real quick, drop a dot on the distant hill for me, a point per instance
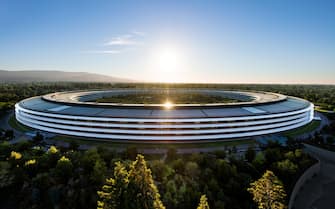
(56, 76)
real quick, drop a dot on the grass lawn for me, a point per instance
(324, 111)
(17, 125)
(150, 145)
(304, 129)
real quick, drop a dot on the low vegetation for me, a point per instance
(33, 176)
(175, 98)
(321, 95)
(304, 129)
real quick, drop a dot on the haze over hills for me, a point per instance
(56, 76)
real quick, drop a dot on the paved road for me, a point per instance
(319, 192)
(324, 120)
(4, 120)
(18, 135)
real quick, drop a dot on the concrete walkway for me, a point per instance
(319, 192)
(324, 122)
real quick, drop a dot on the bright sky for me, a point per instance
(236, 41)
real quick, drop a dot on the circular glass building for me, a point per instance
(199, 114)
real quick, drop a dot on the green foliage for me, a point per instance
(15, 155)
(250, 154)
(322, 95)
(114, 193)
(5, 150)
(89, 158)
(286, 166)
(203, 203)
(9, 134)
(99, 170)
(268, 192)
(273, 154)
(52, 150)
(130, 189)
(171, 154)
(72, 181)
(142, 188)
(131, 152)
(38, 137)
(30, 162)
(163, 96)
(161, 171)
(259, 160)
(73, 145)
(5, 178)
(192, 170)
(64, 169)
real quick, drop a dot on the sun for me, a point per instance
(168, 59)
(168, 63)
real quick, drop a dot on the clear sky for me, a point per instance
(269, 41)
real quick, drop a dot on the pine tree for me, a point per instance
(113, 192)
(203, 203)
(133, 189)
(268, 192)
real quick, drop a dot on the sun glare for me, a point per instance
(168, 63)
(168, 105)
(168, 60)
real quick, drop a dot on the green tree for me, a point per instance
(9, 134)
(131, 152)
(161, 171)
(53, 149)
(89, 158)
(113, 193)
(99, 171)
(38, 137)
(141, 187)
(64, 168)
(250, 154)
(287, 167)
(192, 170)
(203, 203)
(6, 179)
(273, 155)
(73, 145)
(259, 160)
(268, 192)
(292, 144)
(133, 189)
(171, 154)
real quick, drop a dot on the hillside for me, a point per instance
(55, 76)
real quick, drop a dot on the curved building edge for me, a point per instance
(155, 128)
